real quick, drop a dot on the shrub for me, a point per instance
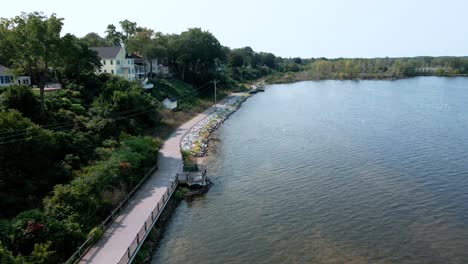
(22, 99)
(96, 233)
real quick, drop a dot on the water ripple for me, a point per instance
(335, 172)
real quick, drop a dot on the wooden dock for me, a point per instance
(193, 178)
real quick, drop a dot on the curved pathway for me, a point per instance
(118, 237)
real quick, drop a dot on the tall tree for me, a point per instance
(148, 45)
(30, 42)
(128, 29)
(195, 52)
(113, 37)
(236, 60)
(94, 40)
(76, 59)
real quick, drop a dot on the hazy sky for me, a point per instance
(306, 28)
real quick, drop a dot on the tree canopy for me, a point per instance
(31, 45)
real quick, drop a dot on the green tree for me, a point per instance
(149, 45)
(322, 69)
(268, 59)
(30, 43)
(236, 60)
(113, 37)
(128, 29)
(41, 253)
(93, 40)
(20, 98)
(194, 53)
(6, 257)
(76, 59)
(27, 155)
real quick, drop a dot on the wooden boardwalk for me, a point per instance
(121, 235)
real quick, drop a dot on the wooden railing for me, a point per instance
(132, 250)
(89, 242)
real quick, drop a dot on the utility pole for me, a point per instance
(242, 79)
(216, 106)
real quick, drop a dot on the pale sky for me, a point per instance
(305, 28)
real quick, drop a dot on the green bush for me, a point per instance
(6, 257)
(28, 163)
(22, 99)
(96, 233)
(41, 253)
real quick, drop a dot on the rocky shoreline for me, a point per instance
(196, 142)
(197, 139)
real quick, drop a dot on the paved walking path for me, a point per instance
(118, 237)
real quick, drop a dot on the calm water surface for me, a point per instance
(335, 172)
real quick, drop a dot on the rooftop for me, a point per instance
(4, 70)
(107, 52)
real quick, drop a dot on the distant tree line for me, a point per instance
(385, 68)
(194, 56)
(69, 157)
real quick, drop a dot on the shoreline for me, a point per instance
(293, 77)
(196, 140)
(151, 245)
(202, 131)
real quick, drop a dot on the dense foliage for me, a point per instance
(80, 159)
(31, 45)
(387, 67)
(69, 157)
(384, 68)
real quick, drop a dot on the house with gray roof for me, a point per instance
(115, 61)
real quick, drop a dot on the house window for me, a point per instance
(105, 71)
(1, 79)
(118, 62)
(112, 71)
(112, 62)
(104, 62)
(7, 79)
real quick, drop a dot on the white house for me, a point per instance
(170, 103)
(143, 67)
(7, 78)
(115, 61)
(158, 67)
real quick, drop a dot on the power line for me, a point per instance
(63, 129)
(58, 125)
(52, 126)
(116, 115)
(69, 123)
(65, 124)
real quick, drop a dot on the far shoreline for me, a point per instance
(151, 245)
(293, 77)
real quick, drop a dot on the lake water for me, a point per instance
(334, 172)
